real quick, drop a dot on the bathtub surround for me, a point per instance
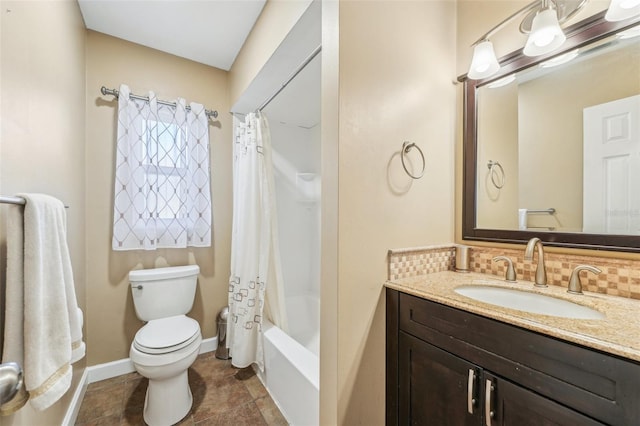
(291, 373)
(619, 277)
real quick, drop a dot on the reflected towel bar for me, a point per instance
(544, 211)
(16, 200)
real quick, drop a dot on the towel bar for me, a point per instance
(16, 200)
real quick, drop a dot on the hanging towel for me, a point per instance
(52, 326)
(14, 303)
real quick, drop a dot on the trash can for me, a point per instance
(222, 352)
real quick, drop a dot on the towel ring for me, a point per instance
(493, 167)
(406, 147)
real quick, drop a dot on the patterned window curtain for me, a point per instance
(162, 185)
(256, 284)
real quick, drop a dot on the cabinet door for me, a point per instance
(435, 388)
(512, 405)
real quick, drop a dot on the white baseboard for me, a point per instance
(108, 370)
(74, 407)
(209, 345)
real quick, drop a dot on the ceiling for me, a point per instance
(211, 32)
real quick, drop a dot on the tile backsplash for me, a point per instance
(619, 277)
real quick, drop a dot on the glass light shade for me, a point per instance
(619, 10)
(559, 60)
(546, 34)
(484, 62)
(630, 33)
(502, 82)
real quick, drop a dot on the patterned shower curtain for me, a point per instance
(255, 285)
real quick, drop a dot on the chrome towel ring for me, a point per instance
(498, 178)
(406, 147)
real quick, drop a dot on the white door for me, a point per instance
(611, 174)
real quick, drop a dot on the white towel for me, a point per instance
(14, 303)
(52, 323)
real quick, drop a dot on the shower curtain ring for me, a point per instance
(406, 147)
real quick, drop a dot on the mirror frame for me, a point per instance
(587, 31)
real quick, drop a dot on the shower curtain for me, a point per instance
(255, 284)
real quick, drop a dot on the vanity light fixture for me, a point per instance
(542, 22)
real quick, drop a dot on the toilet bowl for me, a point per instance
(163, 354)
(166, 346)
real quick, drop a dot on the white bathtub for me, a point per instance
(292, 370)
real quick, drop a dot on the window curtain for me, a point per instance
(162, 196)
(255, 285)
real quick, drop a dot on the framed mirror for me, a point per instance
(552, 143)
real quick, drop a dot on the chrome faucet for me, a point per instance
(541, 273)
(575, 285)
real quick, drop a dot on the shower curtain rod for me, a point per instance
(16, 200)
(116, 93)
(292, 76)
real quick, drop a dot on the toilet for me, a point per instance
(166, 346)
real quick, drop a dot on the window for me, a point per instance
(162, 190)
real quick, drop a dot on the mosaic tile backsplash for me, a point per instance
(619, 277)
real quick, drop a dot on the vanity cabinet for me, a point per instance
(449, 367)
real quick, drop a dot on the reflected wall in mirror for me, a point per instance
(552, 146)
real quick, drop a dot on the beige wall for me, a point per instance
(111, 320)
(376, 93)
(396, 66)
(42, 138)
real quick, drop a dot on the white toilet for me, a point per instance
(166, 346)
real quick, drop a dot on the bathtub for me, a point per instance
(291, 373)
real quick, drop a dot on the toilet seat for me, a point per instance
(166, 335)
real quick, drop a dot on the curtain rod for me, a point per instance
(292, 76)
(16, 200)
(116, 93)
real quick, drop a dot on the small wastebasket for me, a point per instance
(222, 352)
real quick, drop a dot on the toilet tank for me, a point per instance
(163, 292)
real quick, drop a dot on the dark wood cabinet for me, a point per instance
(449, 367)
(433, 386)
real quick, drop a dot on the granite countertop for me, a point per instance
(618, 333)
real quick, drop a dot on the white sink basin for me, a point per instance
(529, 302)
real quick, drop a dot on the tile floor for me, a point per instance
(222, 395)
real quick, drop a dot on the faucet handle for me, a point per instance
(510, 274)
(575, 284)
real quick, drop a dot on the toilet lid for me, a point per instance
(166, 334)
